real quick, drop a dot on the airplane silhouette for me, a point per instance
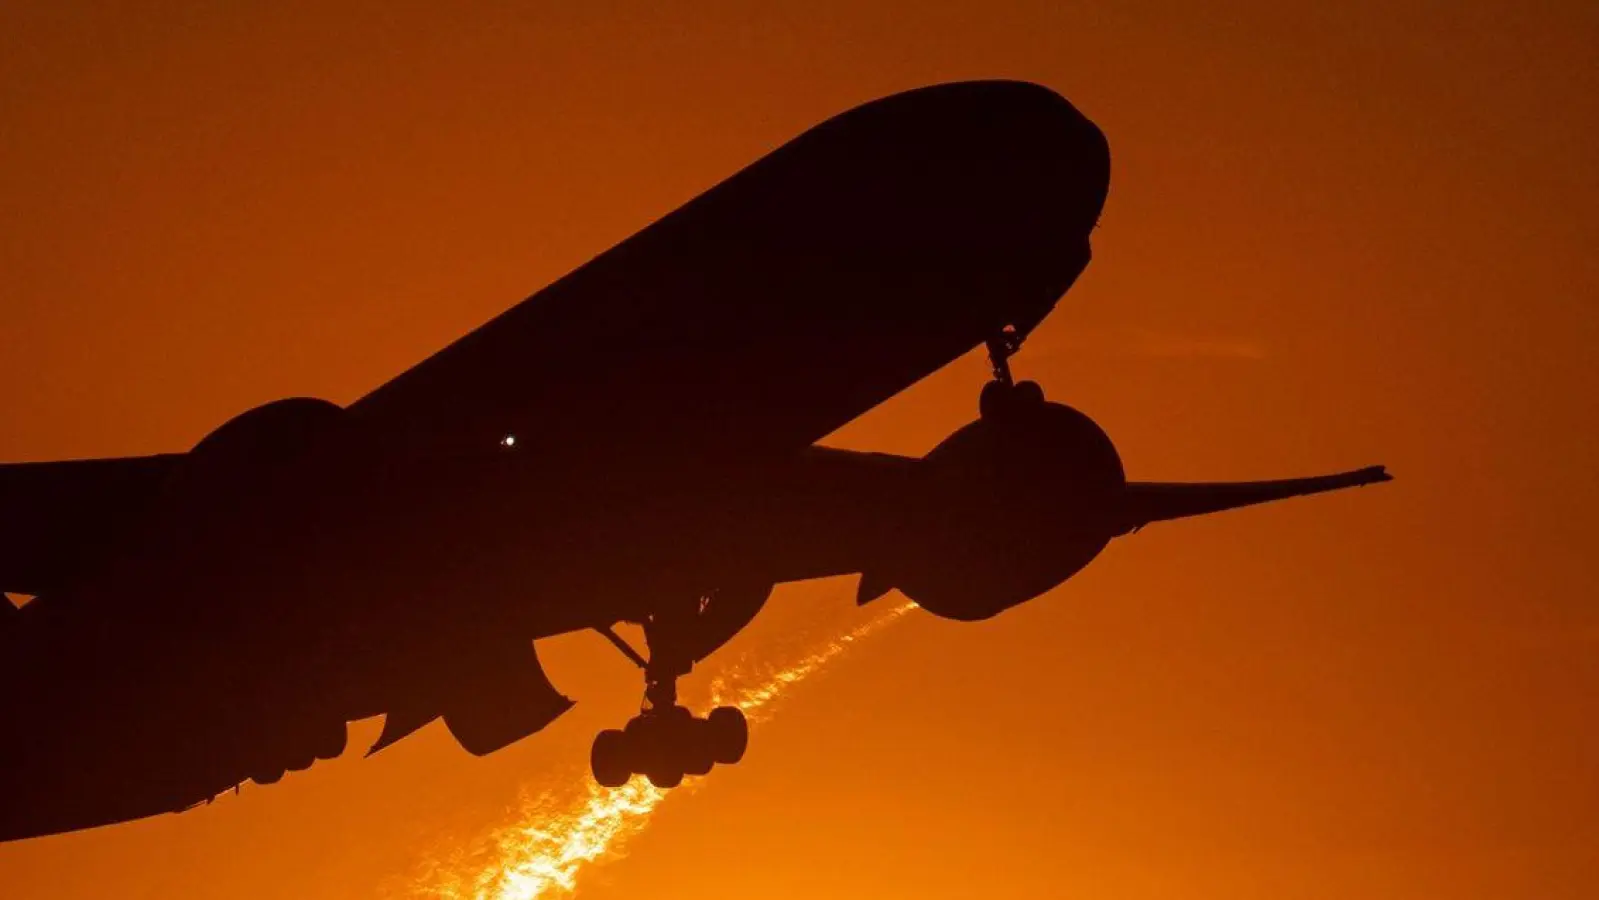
(634, 443)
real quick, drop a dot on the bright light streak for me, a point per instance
(557, 833)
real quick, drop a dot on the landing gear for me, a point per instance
(610, 760)
(665, 741)
(730, 734)
(1003, 396)
(1001, 347)
(666, 745)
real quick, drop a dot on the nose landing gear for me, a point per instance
(1004, 395)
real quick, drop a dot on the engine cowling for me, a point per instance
(1014, 504)
(502, 695)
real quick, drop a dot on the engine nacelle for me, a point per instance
(501, 696)
(1014, 504)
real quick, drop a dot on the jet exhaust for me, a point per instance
(557, 834)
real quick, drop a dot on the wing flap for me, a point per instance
(1149, 501)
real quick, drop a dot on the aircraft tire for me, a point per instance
(993, 401)
(699, 750)
(665, 775)
(609, 759)
(998, 400)
(1027, 393)
(729, 734)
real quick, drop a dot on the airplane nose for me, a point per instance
(1094, 159)
(996, 168)
(1036, 169)
(1053, 161)
(1025, 180)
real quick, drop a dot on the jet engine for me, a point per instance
(1009, 506)
(519, 702)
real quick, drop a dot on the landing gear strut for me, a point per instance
(1004, 395)
(1001, 347)
(666, 741)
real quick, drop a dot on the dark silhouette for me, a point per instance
(633, 443)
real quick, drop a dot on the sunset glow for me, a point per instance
(558, 831)
(1336, 235)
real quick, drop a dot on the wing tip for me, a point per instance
(1373, 475)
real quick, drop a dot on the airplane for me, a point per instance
(634, 443)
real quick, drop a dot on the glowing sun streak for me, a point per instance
(557, 833)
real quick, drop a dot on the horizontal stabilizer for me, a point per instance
(1150, 501)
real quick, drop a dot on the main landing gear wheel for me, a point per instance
(609, 759)
(665, 742)
(666, 745)
(665, 776)
(730, 734)
(697, 754)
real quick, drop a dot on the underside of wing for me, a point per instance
(55, 517)
(1151, 501)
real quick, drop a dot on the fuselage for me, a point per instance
(657, 401)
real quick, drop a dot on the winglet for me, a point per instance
(1374, 475)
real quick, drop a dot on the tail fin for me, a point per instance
(1150, 501)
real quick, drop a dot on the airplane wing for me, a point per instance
(1151, 501)
(56, 515)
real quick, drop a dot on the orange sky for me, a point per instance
(1334, 237)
